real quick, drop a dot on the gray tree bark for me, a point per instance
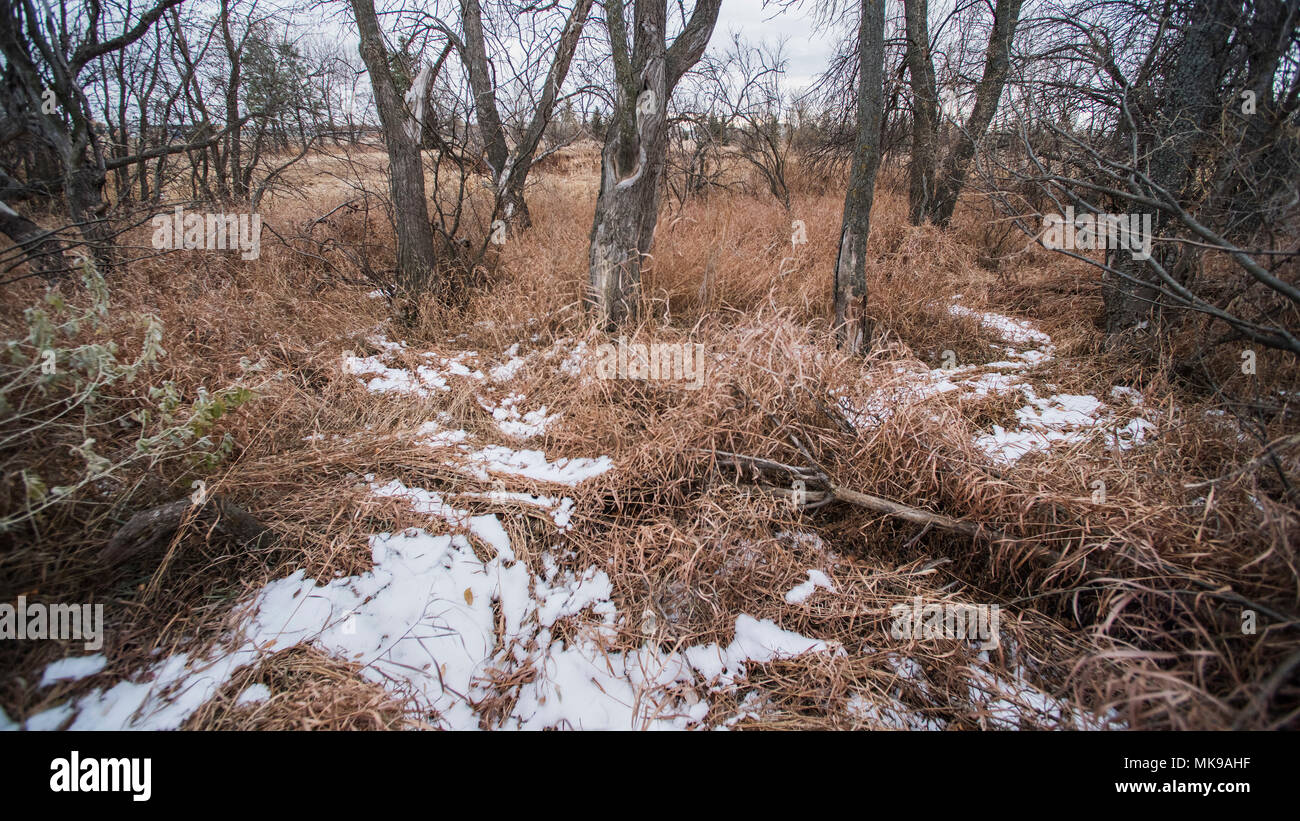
(849, 293)
(632, 161)
(1190, 106)
(24, 42)
(997, 60)
(925, 110)
(416, 261)
(44, 252)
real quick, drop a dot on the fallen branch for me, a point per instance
(917, 515)
(820, 491)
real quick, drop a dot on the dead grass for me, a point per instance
(1131, 604)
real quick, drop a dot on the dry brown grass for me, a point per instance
(1120, 605)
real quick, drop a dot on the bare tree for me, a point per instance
(849, 293)
(45, 57)
(416, 261)
(1164, 127)
(632, 162)
(996, 63)
(742, 103)
(509, 167)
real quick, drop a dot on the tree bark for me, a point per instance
(44, 252)
(416, 261)
(849, 294)
(997, 60)
(925, 110)
(632, 161)
(234, 136)
(1188, 111)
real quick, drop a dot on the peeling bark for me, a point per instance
(632, 161)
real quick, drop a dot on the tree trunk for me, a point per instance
(44, 252)
(996, 62)
(852, 330)
(416, 261)
(233, 80)
(480, 80)
(632, 161)
(1188, 112)
(510, 172)
(83, 186)
(925, 110)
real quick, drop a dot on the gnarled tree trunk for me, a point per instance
(635, 143)
(1186, 114)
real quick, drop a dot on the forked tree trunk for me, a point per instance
(632, 161)
(852, 330)
(925, 110)
(997, 60)
(510, 171)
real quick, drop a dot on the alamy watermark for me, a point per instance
(660, 361)
(209, 232)
(969, 622)
(65, 622)
(77, 774)
(1096, 232)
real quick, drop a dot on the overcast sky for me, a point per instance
(807, 50)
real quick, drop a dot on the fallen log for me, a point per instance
(149, 527)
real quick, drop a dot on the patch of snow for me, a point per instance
(422, 621)
(255, 694)
(800, 593)
(73, 667)
(533, 464)
(514, 424)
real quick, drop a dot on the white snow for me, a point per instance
(800, 593)
(255, 694)
(533, 464)
(1040, 424)
(514, 424)
(73, 667)
(422, 621)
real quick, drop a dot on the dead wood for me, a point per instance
(150, 527)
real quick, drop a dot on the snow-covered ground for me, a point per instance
(1040, 423)
(463, 635)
